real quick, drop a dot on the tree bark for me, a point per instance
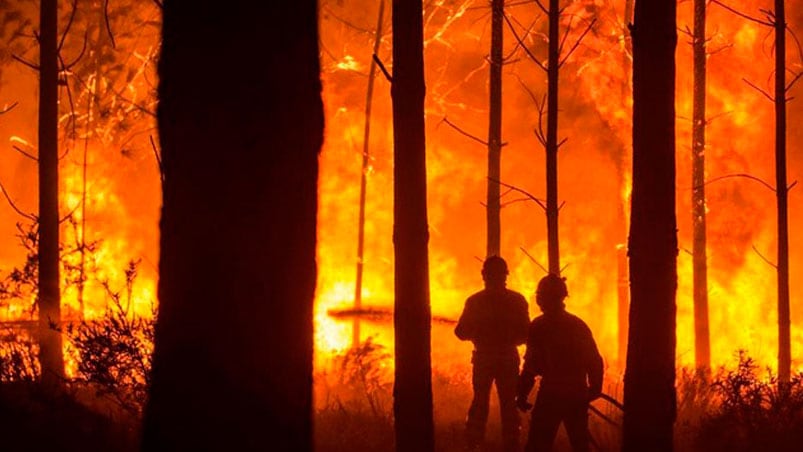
(782, 191)
(232, 367)
(702, 342)
(553, 244)
(49, 297)
(493, 212)
(412, 404)
(649, 393)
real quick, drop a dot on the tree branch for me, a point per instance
(766, 94)
(69, 25)
(29, 216)
(383, 68)
(108, 25)
(523, 45)
(463, 132)
(577, 43)
(30, 65)
(158, 159)
(743, 175)
(26, 154)
(533, 259)
(523, 192)
(8, 108)
(771, 264)
(743, 15)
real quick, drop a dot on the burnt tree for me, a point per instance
(551, 145)
(702, 341)
(493, 210)
(649, 391)
(782, 195)
(232, 367)
(412, 392)
(51, 356)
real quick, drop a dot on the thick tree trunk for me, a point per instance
(702, 342)
(553, 245)
(240, 136)
(495, 131)
(412, 403)
(366, 164)
(649, 393)
(784, 341)
(50, 353)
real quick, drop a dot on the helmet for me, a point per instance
(494, 265)
(552, 286)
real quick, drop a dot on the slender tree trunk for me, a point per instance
(495, 131)
(623, 285)
(702, 342)
(412, 403)
(649, 393)
(50, 353)
(784, 341)
(366, 165)
(553, 245)
(232, 367)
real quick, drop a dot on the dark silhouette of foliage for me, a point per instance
(754, 413)
(114, 352)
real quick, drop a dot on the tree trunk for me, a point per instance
(240, 136)
(553, 245)
(702, 342)
(495, 131)
(623, 284)
(784, 341)
(366, 163)
(649, 393)
(50, 353)
(412, 403)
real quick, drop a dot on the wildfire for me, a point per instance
(119, 218)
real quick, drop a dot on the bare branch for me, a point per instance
(513, 201)
(523, 192)
(541, 6)
(523, 45)
(577, 43)
(769, 262)
(67, 67)
(797, 41)
(565, 35)
(602, 416)
(69, 25)
(766, 94)
(533, 259)
(8, 108)
(108, 25)
(742, 175)
(794, 80)
(463, 132)
(29, 216)
(383, 68)
(791, 186)
(27, 63)
(158, 159)
(518, 44)
(743, 15)
(561, 142)
(26, 154)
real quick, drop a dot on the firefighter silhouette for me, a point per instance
(560, 349)
(495, 320)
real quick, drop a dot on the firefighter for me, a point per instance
(561, 349)
(495, 320)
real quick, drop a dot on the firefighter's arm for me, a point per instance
(595, 368)
(525, 385)
(466, 326)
